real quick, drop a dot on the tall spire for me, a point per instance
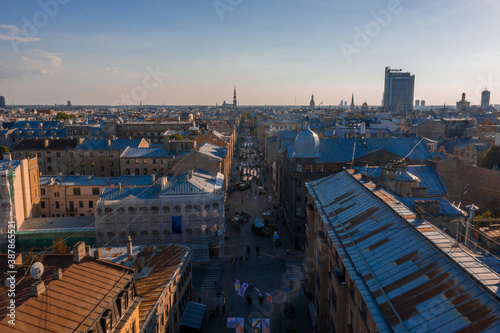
(352, 102)
(234, 98)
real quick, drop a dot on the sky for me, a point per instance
(276, 52)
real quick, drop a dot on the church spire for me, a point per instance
(352, 103)
(234, 98)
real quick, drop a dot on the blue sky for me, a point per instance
(274, 51)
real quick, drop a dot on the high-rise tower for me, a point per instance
(398, 90)
(2, 102)
(235, 102)
(485, 99)
(312, 104)
(353, 106)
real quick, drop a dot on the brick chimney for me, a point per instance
(424, 207)
(419, 192)
(97, 253)
(57, 273)
(78, 251)
(37, 288)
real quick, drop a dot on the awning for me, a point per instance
(193, 315)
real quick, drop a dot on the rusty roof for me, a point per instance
(162, 263)
(72, 303)
(401, 266)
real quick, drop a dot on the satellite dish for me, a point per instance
(36, 270)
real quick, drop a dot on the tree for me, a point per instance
(3, 149)
(491, 158)
(176, 136)
(60, 246)
(61, 116)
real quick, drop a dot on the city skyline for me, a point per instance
(187, 53)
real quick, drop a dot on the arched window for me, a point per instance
(143, 209)
(131, 210)
(99, 210)
(166, 209)
(216, 205)
(197, 208)
(123, 235)
(155, 233)
(154, 209)
(100, 235)
(121, 210)
(177, 208)
(133, 234)
(144, 233)
(108, 210)
(111, 235)
(167, 233)
(189, 231)
(188, 208)
(207, 207)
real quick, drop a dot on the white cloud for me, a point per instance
(16, 34)
(113, 70)
(39, 63)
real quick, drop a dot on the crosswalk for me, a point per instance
(294, 270)
(212, 275)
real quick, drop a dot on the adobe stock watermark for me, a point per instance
(31, 28)
(223, 6)
(150, 82)
(364, 36)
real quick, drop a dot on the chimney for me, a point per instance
(87, 250)
(78, 251)
(426, 207)
(45, 143)
(37, 288)
(109, 143)
(97, 253)
(129, 246)
(419, 192)
(57, 273)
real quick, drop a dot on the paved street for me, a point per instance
(268, 271)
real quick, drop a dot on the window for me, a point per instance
(299, 167)
(80, 204)
(298, 212)
(127, 161)
(309, 168)
(137, 171)
(56, 194)
(92, 164)
(145, 171)
(42, 204)
(49, 160)
(95, 191)
(111, 154)
(57, 204)
(101, 159)
(58, 154)
(92, 154)
(136, 161)
(91, 204)
(76, 191)
(49, 168)
(144, 161)
(82, 163)
(127, 171)
(111, 163)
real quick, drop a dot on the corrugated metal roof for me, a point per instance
(145, 153)
(212, 150)
(50, 223)
(408, 279)
(341, 150)
(70, 303)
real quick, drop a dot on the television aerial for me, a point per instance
(36, 270)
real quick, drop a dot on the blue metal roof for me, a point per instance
(25, 124)
(341, 150)
(446, 208)
(6, 165)
(112, 194)
(407, 283)
(145, 153)
(139, 180)
(212, 150)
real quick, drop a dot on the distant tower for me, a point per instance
(352, 102)
(417, 103)
(422, 103)
(2, 102)
(235, 102)
(463, 103)
(312, 104)
(68, 106)
(485, 99)
(398, 91)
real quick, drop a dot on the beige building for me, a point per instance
(19, 192)
(78, 195)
